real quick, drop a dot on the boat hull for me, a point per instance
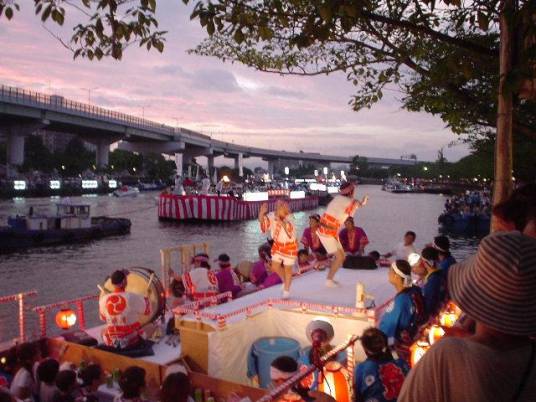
(16, 239)
(464, 225)
(219, 209)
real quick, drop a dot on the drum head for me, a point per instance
(137, 281)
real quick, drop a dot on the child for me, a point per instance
(227, 279)
(259, 270)
(380, 377)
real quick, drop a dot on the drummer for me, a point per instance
(122, 311)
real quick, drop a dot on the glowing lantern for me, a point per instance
(435, 334)
(448, 319)
(417, 350)
(335, 382)
(65, 318)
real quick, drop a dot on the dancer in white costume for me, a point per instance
(338, 210)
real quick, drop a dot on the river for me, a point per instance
(69, 271)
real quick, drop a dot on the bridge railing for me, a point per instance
(59, 103)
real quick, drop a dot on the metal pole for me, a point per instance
(42, 322)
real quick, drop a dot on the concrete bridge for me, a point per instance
(22, 112)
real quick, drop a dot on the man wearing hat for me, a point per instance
(320, 333)
(338, 210)
(496, 288)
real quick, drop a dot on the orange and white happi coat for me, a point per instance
(122, 311)
(337, 211)
(283, 233)
(200, 283)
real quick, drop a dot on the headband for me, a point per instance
(276, 374)
(347, 190)
(200, 258)
(434, 245)
(407, 278)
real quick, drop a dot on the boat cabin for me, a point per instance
(68, 216)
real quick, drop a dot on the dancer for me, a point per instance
(285, 247)
(338, 210)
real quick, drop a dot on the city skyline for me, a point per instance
(229, 102)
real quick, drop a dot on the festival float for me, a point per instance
(213, 207)
(213, 338)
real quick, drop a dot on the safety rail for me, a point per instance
(221, 318)
(291, 382)
(20, 299)
(80, 311)
(59, 103)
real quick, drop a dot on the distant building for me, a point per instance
(57, 142)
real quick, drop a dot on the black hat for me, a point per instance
(118, 277)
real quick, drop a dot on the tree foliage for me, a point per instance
(442, 57)
(107, 26)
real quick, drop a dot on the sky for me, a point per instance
(228, 101)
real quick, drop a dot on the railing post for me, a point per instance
(42, 322)
(81, 315)
(22, 318)
(350, 366)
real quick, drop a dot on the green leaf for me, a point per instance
(483, 21)
(9, 13)
(238, 36)
(210, 28)
(46, 13)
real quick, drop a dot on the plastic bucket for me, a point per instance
(266, 350)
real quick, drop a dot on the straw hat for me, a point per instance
(322, 325)
(245, 268)
(497, 285)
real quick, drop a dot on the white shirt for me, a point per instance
(278, 232)
(402, 252)
(341, 207)
(205, 185)
(23, 379)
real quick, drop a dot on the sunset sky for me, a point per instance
(229, 102)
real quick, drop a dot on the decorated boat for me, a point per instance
(71, 223)
(212, 207)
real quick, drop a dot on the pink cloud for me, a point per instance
(228, 100)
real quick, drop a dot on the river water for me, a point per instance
(66, 272)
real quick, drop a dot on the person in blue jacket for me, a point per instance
(380, 377)
(320, 333)
(405, 314)
(444, 257)
(435, 283)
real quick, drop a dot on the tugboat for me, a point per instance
(72, 223)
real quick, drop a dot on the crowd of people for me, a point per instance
(469, 204)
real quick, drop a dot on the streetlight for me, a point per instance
(425, 168)
(89, 93)
(325, 170)
(316, 172)
(287, 170)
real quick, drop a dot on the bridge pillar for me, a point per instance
(271, 167)
(239, 164)
(210, 166)
(15, 135)
(103, 154)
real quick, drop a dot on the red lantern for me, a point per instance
(335, 382)
(65, 318)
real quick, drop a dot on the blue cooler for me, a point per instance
(264, 351)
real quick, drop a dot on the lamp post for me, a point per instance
(89, 93)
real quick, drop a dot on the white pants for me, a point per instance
(330, 243)
(283, 259)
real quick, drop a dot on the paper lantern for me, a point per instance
(335, 382)
(417, 351)
(65, 318)
(448, 319)
(435, 333)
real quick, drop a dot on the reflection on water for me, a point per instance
(65, 272)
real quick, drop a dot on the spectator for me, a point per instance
(67, 386)
(132, 383)
(353, 239)
(176, 293)
(5, 396)
(46, 372)
(405, 314)
(403, 249)
(8, 367)
(310, 238)
(380, 377)
(24, 386)
(519, 211)
(227, 278)
(304, 262)
(259, 271)
(496, 289)
(176, 388)
(92, 377)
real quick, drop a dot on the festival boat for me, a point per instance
(217, 340)
(212, 207)
(71, 223)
